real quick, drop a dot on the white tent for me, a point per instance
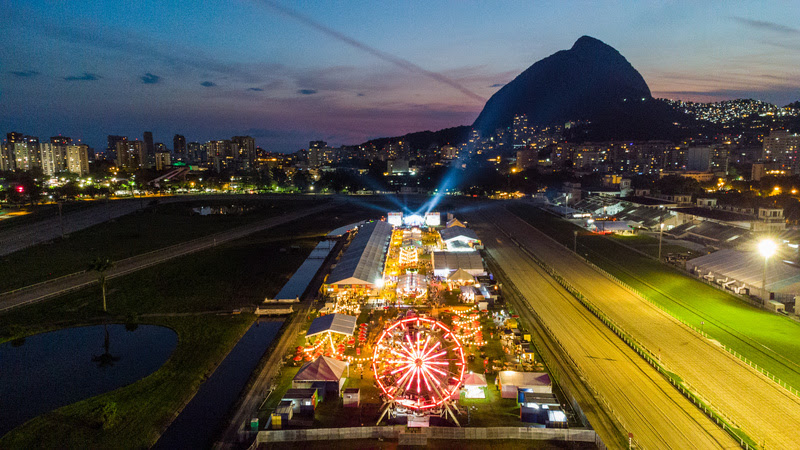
(461, 275)
(475, 385)
(510, 382)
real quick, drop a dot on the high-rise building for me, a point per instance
(521, 131)
(179, 147)
(54, 158)
(195, 152)
(163, 160)
(782, 147)
(131, 155)
(316, 151)
(698, 159)
(220, 154)
(26, 152)
(78, 159)
(112, 142)
(149, 147)
(245, 147)
(527, 158)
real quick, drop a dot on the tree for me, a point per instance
(101, 265)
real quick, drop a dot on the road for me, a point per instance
(80, 280)
(642, 400)
(764, 410)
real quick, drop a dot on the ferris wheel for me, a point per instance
(418, 364)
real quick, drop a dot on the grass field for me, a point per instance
(177, 294)
(768, 339)
(124, 237)
(649, 245)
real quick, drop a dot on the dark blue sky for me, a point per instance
(352, 70)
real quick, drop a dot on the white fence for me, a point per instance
(394, 432)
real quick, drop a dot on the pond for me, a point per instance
(46, 371)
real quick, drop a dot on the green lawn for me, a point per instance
(768, 339)
(127, 236)
(649, 245)
(174, 294)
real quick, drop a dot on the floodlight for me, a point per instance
(767, 248)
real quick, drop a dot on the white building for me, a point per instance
(78, 159)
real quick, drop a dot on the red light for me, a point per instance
(20, 189)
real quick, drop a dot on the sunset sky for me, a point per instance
(289, 72)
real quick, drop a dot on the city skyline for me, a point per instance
(346, 73)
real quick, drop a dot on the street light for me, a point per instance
(660, 236)
(766, 248)
(575, 243)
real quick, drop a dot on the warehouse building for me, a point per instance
(361, 265)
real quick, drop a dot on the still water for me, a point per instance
(200, 422)
(49, 370)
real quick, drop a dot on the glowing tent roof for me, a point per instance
(474, 379)
(362, 262)
(323, 368)
(461, 275)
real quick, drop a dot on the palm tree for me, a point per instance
(101, 265)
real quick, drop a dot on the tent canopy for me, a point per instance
(475, 379)
(335, 323)
(523, 379)
(461, 275)
(321, 369)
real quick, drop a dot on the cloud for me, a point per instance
(207, 84)
(496, 85)
(255, 89)
(24, 73)
(149, 78)
(85, 77)
(307, 91)
(768, 26)
(400, 62)
(115, 39)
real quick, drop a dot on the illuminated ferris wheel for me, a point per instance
(419, 364)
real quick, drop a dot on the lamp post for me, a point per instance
(660, 236)
(575, 243)
(766, 248)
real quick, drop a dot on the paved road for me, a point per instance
(763, 409)
(79, 280)
(642, 400)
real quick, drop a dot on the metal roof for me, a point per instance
(457, 232)
(335, 323)
(362, 262)
(296, 285)
(748, 267)
(469, 261)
